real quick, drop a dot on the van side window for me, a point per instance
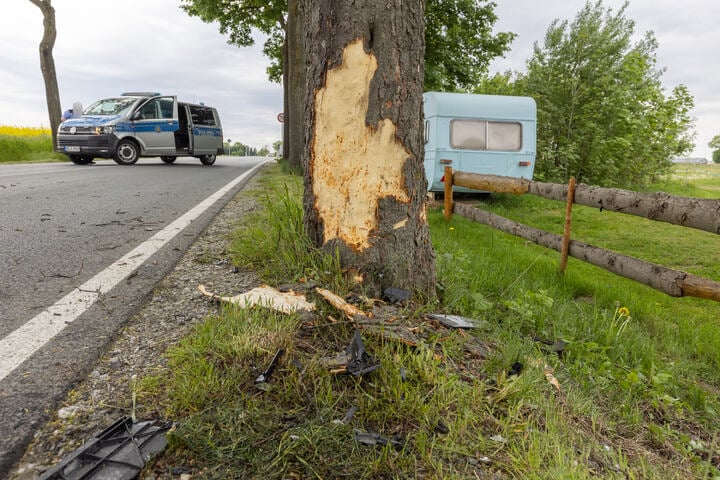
(166, 107)
(157, 108)
(202, 116)
(485, 135)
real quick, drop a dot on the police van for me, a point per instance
(141, 124)
(486, 134)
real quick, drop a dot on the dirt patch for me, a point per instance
(173, 309)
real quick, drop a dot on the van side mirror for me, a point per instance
(136, 115)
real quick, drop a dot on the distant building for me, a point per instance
(698, 160)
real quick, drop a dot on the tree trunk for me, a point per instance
(365, 186)
(295, 104)
(47, 65)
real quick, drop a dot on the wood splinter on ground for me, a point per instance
(265, 296)
(339, 303)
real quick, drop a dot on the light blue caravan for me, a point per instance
(488, 134)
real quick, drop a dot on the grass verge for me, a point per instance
(582, 375)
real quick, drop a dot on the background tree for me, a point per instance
(365, 183)
(602, 114)
(458, 34)
(47, 65)
(715, 145)
(460, 43)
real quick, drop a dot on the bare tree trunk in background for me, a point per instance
(365, 186)
(295, 104)
(47, 64)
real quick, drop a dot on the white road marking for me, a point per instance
(19, 345)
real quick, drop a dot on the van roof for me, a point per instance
(141, 94)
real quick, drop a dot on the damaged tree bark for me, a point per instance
(365, 184)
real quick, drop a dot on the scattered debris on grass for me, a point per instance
(373, 439)
(350, 310)
(265, 376)
(265, 296)
(396, 295)
(456, 321)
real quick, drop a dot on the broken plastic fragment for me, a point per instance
(396, 295)
(359, 362)
(515, 369)
(456, 321)
(265, 296)
(548, 371)
(375, 439)
(348, 416)
(265, 376)
(119, 452)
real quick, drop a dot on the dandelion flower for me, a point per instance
(452, 228)
(623, 312)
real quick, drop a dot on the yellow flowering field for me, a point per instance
(26, 144)
(14, 131)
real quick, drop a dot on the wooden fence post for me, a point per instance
(568, 222)
(448, 193)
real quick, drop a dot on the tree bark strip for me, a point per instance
(675, 283)
(47, 65)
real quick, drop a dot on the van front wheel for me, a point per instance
(126, 153)
(207, 159)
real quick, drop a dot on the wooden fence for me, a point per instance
(695, 213)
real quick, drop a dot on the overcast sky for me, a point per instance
(106, 47)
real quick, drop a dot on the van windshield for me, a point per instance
(110, 106)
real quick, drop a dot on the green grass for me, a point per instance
(638, 376)
(27, 149)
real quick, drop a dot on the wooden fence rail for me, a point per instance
(701, 214)
(689, 212)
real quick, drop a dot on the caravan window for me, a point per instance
(485, 135)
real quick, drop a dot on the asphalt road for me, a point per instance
(80, 247)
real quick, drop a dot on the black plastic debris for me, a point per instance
(456, 321)
(557, 346)
(373, 439)
(515, 369)
(360, 361)
(117, 453)
(442, 428)
(396, 295)
(265, 376)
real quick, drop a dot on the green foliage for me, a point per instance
(459, 43)
(715, 142)
(602, 113)
(458, 35)
(715, 145)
